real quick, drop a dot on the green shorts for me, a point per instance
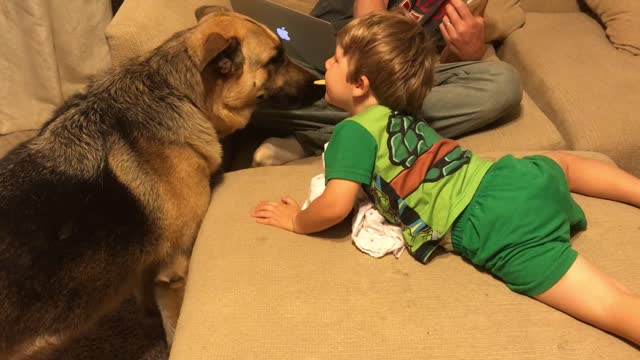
(518, 224)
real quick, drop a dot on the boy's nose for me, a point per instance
(327, 63)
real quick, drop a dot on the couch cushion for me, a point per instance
(141, 25)
(501, 18)
(257, 292)
(622, 20)
(585, 86)
(550, 5)
(526, 129)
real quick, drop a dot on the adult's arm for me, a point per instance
(364, 7)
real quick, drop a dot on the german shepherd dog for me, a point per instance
(107, 199)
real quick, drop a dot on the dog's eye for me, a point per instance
(276, 61)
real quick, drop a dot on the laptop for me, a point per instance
(304, 37)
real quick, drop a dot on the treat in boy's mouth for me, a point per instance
(320, 82)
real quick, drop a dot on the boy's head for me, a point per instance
(390, 54)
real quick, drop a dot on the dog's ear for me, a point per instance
(223, 53)
(202, 11)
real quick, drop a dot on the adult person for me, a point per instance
(467, 93)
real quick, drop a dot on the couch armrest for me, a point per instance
(550, 5)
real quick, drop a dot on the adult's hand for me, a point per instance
(463, 33)
(364, 7)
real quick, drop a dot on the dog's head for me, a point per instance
(242, 64)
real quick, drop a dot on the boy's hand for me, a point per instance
(280, 214)
(463, 32)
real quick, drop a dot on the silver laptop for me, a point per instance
(304, 37)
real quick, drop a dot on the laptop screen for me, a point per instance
(304, 37)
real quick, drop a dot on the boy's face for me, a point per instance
(339, 91)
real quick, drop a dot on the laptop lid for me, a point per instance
(304, 37)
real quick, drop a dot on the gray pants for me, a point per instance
(466, 96)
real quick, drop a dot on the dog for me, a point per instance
(106, 201)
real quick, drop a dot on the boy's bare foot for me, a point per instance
(277, 151)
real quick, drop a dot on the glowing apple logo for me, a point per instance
(283, 33)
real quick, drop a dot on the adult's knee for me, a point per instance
(503, 91)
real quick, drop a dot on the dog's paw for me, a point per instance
(277, 151)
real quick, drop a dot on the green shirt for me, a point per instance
(417, 179)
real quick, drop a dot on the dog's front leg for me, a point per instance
(36, 348)
(169, 292)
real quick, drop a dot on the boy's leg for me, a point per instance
(598, 179)
(592, 296)
(470, 95)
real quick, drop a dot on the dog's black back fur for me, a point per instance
(109, 196)
(54, 216)
(62, 220)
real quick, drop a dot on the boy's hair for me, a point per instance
(395, 54)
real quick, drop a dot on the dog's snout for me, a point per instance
(296, 88)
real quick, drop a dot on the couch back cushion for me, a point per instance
(550, 5)
(49, 52)
(501, 18)
(141, 25)
(622, 21)
(257, 292)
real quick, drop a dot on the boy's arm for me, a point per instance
(364, 7)
(327, 210)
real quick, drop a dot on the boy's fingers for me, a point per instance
(262, 213)
(264, 221)
(266, 206)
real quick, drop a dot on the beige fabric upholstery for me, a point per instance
(9, 141)
(257, 292)
(622, 21)
(528, 129)
(501, 18)
(584, 85)
(50, 49)
(550, 5)
(141, 25)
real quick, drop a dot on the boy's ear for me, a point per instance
(361, 87)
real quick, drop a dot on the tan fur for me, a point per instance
(33, 348)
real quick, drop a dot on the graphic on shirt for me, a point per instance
(416, 179)
(425, 156)
(427, 10)
(421, 238)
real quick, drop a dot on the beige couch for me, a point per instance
(259, 292)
